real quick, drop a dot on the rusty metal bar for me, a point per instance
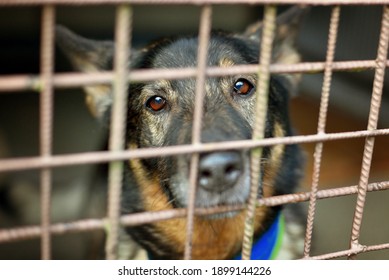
(193, 2)
(375, 104)
(29, 232)
(350, 252)
(269, 22)
(332, 36)
(46, 123)
(10, 83)
(118, 126)
(16, 164)
(204, 34)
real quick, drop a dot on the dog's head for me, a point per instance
(160, 113)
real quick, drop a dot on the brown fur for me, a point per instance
(212, 238)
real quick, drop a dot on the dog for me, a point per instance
(160, 113)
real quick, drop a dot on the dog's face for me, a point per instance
(165, 112)
(160, 113)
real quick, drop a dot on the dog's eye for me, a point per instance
(156, 103)
(243, 87)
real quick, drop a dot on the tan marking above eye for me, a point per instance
(226, 62)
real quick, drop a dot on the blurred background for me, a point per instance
(78, 194)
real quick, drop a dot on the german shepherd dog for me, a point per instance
(160, 113)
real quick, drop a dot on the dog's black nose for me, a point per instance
(219, 171)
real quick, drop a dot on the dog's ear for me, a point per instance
(284, 45)
(89, 56)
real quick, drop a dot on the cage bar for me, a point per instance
(325, 95)
(69, 80)
(29, 232)
(265, 55)
(117, 131)
(46, 123)
(375, 104)
(204, 34)
(350, 252)
(106, 156)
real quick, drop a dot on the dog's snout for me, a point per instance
(219, 171)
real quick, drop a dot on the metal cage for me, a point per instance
(45, 83)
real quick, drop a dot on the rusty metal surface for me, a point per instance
(375, 104)
(117, 127)
(14, 164)
(325, 96)
(10, 83)
(23, 233)
(46, 123)
(269, 19)
(15, 234)
(346, 253)
(204, 34)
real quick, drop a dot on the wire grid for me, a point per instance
(47, 81)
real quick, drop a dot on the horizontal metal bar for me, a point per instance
(349, 252)
(106, 156)
(67, 80)
(193, 2)
(29, 232)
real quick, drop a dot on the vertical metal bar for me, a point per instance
(204, 34)
(270, 13)
(117, 132)
(375, 104)
(46, 124)
(332, 36)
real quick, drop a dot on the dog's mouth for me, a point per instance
(223, 180)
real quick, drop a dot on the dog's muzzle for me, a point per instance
(219, 172)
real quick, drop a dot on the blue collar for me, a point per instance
(268, 245)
